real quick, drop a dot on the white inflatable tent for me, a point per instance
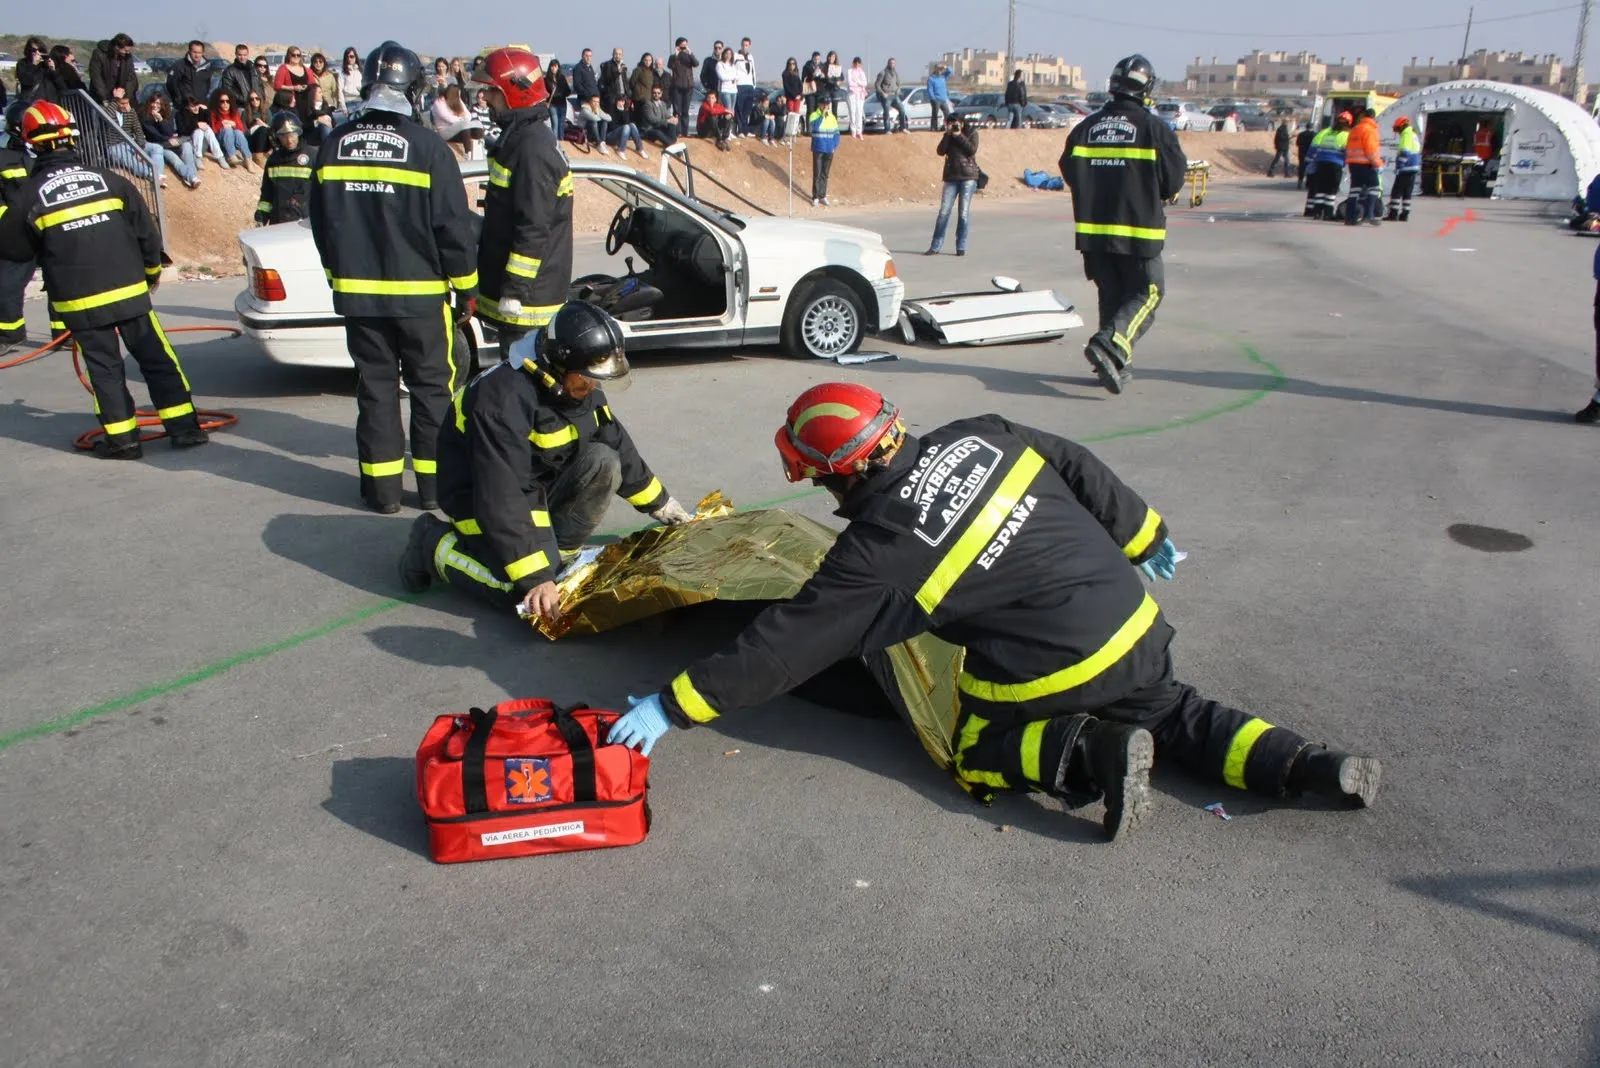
(1550, 146)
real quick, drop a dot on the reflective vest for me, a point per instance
(1408, 154)
(1361, 147)
(1327, 148)
(824, 130)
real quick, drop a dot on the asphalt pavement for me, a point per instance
(211, 852)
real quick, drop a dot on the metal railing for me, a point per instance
(102, 142)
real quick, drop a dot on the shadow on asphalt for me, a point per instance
(1481, 893)
(360, 549)
(998, 379)
(377, 795)
(299, 436)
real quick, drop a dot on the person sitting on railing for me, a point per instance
(159, 129)
(228, 123)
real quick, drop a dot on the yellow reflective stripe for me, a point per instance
(338, 173)
(990, 518)
(152, 272)
(518, 569)
(78, 211)
(166, 346)
(1069, 677)
(18, 325)
(1032, 738)
(646, 495)
(466, 281)
(1086, 152)
(289, 172)
(385, 469)
(531, 315)
(14, 172)
(968, 738)
(380, 287)
(1109, 230)
(689, 700)
(264, 205)
(124, 427)
(540, 519)
(1145, 309)
(526, 266)
(425, 467)
(1147, 534)
(564, 187)
(470, 527)
(499, 175)
(100, 299)
(838, 411)
(57, 325)
(555, 439)
(447, 555)
(1244, 739)
(186, 408)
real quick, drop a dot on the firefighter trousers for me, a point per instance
(1366, 194)
(1322, 187)
(1405, 183)
(108, 379)
(1130, 289)
(1204, 737)
(577, 503)
(14, 278)
(422, 350)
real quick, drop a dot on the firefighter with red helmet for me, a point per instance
(100, 251)
(14, 274)
(525, 253)
(1025, 549)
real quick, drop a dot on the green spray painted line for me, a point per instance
(83, 715)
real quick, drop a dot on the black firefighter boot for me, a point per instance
(1394, 213)
(1109, 368)
(106, 449)
(416, 563)
(1106, 759)
(1343, 777)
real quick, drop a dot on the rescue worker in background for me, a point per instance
(525, 254)
(1407, 166)
(1483, 142)
(1302, 153)
(286, 177)
(100, 252)
(528, 464)
(389, 215)
(1326, 172)
(1362, 156)
(14, 274)
(1122, 164)
(1027, 550)
(1589, 414)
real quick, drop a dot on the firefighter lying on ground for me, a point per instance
(529, 459)
(1025, 549)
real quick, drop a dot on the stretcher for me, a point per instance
(1195, 178)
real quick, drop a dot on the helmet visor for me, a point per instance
(613, 367)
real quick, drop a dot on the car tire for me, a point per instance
(824, 319)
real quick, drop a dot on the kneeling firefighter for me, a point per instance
(1025, 549)
(529, 460)
(100, 252)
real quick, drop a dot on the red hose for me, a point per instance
(209, 420)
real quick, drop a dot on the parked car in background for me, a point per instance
(984, 109)
(141, 68)
(1051, 116)
(8, 62)
(919, 110)
(162, 64)
(1245, 117)
(1183, 115)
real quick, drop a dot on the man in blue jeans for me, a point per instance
(887, 86)
(1016, 99)
(959, 148)
(939, 98)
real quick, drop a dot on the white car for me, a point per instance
(1183, 115)
(712, 278)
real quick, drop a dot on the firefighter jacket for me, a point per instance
(1009, 541)
(526, 250)
(1408, 152)
(1327, 148)
(501, 450)
(14, 169)
(1122, 164)
(285, 186)
(389, 215)
(93, 237)
(1361, 147)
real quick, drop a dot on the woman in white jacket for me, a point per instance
(727, 77)
(856, 81)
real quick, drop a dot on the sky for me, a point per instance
(1093, 35)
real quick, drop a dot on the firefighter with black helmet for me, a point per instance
(1123, 164)
(100, 252)
(525, 254)
(390, 218)
(1026, 550)
(14, 274)
(286, 177)
(528, 464)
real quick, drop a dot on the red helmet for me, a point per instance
(1401, 123)
(1345, 117)
(837, 429)
(44, 123)
(515, 72)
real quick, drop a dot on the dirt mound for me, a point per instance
(879, 172)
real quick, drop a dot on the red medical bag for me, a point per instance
(528, 777)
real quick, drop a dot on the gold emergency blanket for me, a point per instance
(750, 556)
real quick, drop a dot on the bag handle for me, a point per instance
(577, 739)
(474, 790)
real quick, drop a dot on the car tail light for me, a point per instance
(265, 284)
(889, 271)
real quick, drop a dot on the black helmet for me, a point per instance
(14, 123)
(393, 65)
(1133, 78)
(286, 122)
(582, 337)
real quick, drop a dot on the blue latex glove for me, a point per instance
(1163, 564)
(642, 725)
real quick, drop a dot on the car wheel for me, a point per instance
(824, 319)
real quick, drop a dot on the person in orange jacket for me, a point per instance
(1366, 172)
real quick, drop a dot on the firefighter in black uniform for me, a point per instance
(528, 464)
(286, 178)
(1025, 549)
(101, 255)
(14, 274)
(525, 255)
(1122, 164)
(389, 215)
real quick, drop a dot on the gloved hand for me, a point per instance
(641, 726)
(261, 219)
(671, 514)
(510, 308)
(466, 308)
(1163, 564)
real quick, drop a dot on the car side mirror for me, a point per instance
(1005, 284)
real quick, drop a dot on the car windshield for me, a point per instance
(982, 100)
(1167, 108)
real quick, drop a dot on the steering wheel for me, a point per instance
(621, 223)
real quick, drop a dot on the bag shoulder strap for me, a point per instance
(474, 789)
(578, 741)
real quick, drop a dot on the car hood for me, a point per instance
(286, 242)
(765, 229)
